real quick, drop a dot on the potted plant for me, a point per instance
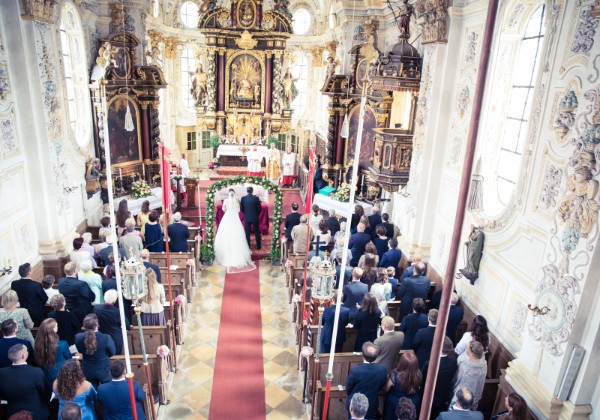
(215, 140)
(206, 254)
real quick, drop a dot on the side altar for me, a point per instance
(245, 89)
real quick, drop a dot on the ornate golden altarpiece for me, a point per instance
(244, 91)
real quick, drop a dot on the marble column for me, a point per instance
(211, 83)
(268, 83)
(277, 87)
(221, 80)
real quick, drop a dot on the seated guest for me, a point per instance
(358, 243)
(153, 234)
(70, 411)
(47, 283)
(105, 227)
(332, 222)
(374, 220)
(389, 228)
(380, 241)
(368, 378)
(68, 322)
(24, 387)
(107, 254)
(109, 319)
(389, 344)
(291, 220)
(87, 244)
(178, 234)
(405, 410)
(412, 287)
(77, 293)
(300, 236)
(472, 372)
(145, 255)
(71, 386)
(11, 310)
(9, 338)
(369, 270)
(96, 349)
(370, 249)
(359, 212)
(478, 332)
(152, 308)
(443, 383)
(354, 293)
(327, 332)
(409, 271)
(367, 322)
(93, 280)
(323, 236)
(31, 294)
(79, 254)
(131, 241)
(455, 317)
(392, 257)
(50, 352)
(413, 322)
(315, 219)
(423, 340)
(115, 397)
(516, 408)
(393, 281)
(359, 405)
(463, 403)
(102, 244)
(404, 381)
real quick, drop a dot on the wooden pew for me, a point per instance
(154, 337)
(160, 373)
(348, 344)
(342, 364)
(179, 281)
(394, 309)
(179, 313)
(177, 258)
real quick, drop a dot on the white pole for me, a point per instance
(111, 203)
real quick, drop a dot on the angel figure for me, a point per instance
(331, 65)
(579, 209)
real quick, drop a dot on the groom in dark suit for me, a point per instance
(250, 207)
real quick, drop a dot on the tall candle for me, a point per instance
(120, 174)
(144, 170)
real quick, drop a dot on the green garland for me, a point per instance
(242, 179)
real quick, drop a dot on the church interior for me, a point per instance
(460, 119)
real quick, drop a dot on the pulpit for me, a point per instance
(191, 185)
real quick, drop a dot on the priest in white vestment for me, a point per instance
(289, 164)
(272, 172)
(254, 157)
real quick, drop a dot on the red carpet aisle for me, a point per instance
(238, 389)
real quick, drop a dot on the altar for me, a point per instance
(135, 205)
(235, 150)
(341, 208)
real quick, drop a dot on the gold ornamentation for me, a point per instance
(331, 48)
(39, 10)
(433, 17)
(246, 14)
(155, 38)
(171, 44)
(317, 55)
(246, 42)
(105, 57)
(595, 11)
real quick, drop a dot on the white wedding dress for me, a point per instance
(231, 248)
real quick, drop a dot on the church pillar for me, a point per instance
(147, 146)
(211, 88)
(339, 145)
(221, 79)
(277, 88)
(268, 83)
(332, 135)
(259, 13)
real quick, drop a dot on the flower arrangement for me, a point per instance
(342, 194)
(180, 300)
(289, 264)
(209, 252)
(163, 351)
(140, 189)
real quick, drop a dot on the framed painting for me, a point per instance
(125, 146)
(367, 145)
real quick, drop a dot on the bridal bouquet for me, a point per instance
(140, 189)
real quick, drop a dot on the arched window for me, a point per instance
(189, 14)
(301, 21)
(188, 67)
(519, 109)
(300, 73)
(76, 77)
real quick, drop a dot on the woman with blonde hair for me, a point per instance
(11, 310)
(70, 385)
(152, 308)
(96, 349)
(50, 352)
(143, 216)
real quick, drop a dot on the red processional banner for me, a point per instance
(165, 171)
(312, 159)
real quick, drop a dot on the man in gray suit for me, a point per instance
(132, 241)
(389, 344)
(463, 401)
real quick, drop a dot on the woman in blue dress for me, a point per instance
(50, 352)
(153, 234)
(70, 385)
(404, 381)
(367, 322)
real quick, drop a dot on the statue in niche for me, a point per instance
(198, 89)
(474, 252)
(247, 14)
(289, 89)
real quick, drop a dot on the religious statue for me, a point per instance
(244, 90)
(474, 252)
(579, 208)
(105, 56)
(272, 171)
(289, 89)
(198, 89)
(289, 166)
(404, 22)
(92, 176)
(153, 57)
(254, 158)
(331, 65)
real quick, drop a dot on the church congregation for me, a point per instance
(299, 209)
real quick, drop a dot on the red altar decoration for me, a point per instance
(263, 218)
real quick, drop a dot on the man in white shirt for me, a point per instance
(183, 165)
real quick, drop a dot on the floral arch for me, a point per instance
(243, 179)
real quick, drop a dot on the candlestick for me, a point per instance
(120, 174)
(144, 170)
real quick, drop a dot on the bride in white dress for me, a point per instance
(231, 248)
